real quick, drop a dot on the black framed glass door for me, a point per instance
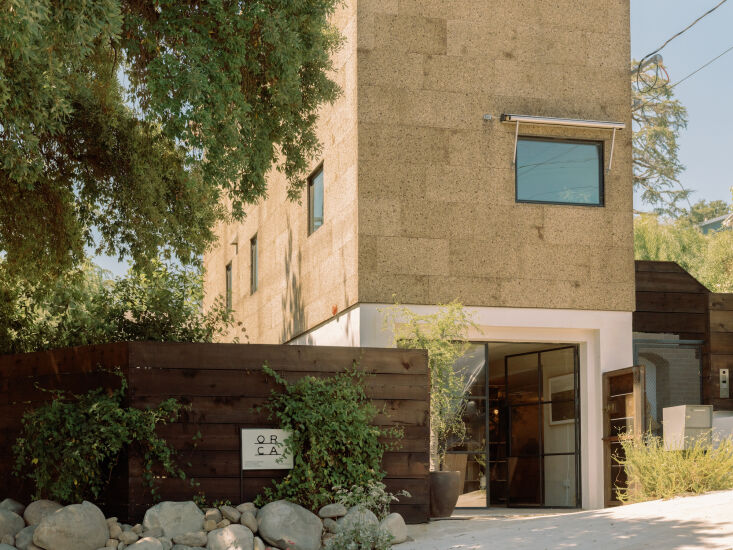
(522, 445)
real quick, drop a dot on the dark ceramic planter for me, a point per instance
(445, 488)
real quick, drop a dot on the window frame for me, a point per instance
(253, 264)
(228, 285)
(601, 171)
(309, 184)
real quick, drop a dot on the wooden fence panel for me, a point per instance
(222, 383)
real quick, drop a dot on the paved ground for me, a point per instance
(692, 522)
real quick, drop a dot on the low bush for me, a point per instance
(374, 496)
(362, 536)
(655, 473)
(333, 442)
(69, 446)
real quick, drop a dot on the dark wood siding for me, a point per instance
(222, 383)
(670, 300)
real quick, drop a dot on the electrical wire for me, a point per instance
(700, 68)
(647, 56)
(688, 27)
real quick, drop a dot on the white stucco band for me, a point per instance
(604, 339)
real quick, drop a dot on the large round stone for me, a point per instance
(147, 543)
(287, 525)
(232, 537)
(175, 518)
(75, 527)
(357, 515)
(13, 506)
(395, 526)
(38, 510)
(10, 523)
(25, 537)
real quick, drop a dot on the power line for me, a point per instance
(688, 27)
(680, 81)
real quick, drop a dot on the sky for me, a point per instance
(706, 146)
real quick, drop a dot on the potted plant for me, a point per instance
(443, 335)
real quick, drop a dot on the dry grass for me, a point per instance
(655, 473)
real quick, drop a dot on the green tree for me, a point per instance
(657, 120)
(133, 121)
(702, 211)
(708, 258)
(86, 307)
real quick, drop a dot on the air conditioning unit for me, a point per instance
(685, 425)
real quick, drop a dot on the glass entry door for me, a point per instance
(522, 426)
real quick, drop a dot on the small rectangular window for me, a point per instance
(315, 200)
(229, 286)
(559, 171)
(253, 265)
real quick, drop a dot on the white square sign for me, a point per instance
(263, 448)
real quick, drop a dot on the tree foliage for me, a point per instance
(131, 120)
(657, 118)
(444, 335)
(69, 446)
(703, 211)
(332, 440)
(85, 307)
(708, 258)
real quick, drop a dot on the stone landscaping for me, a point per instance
(279, 525)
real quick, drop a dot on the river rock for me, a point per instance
(175, 518)
(336, 510)
(165, 542)
(287, 525)
(8, 539)
(10, 523)
(232, 537)
(128, 537)
(148, 543)
(12, 505)
(249, 520)
(155, 532)
(357, 515)
(213, 514)
(75, 527)
(331, 525)
(223, 523)
(4, 546)
(209, 525)
(395, 526)
(259, 544)
(230, 513)
(194, 538)
(114, 530)
(248, 507)
(25, 537)
(39, 509)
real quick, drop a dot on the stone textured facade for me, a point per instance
(420, 189)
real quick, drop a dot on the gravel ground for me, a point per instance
(704, 521)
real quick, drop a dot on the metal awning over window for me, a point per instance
(550, 121)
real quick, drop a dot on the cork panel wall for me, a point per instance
(437, 213)
(302, 278)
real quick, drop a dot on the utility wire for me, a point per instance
(700, 68)
(688, 27)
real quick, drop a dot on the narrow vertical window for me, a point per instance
(253, 264)
(229, 286)
(315, 200)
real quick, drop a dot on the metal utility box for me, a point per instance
(686, 424)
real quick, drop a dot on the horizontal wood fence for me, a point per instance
(221, 383)
(670, 300)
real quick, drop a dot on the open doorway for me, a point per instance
(522, 445)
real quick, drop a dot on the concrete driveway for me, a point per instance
(691, 522)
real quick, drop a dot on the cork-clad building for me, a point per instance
(480, 152)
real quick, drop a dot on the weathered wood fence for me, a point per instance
(221, 383)
(670, 300)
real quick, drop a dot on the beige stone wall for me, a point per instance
(301, 278)
(419, 189)
(437, 213)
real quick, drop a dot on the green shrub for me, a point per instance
(361, 536)
(69, 446)
(333, 442)
(655, 473)
(374, 496)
